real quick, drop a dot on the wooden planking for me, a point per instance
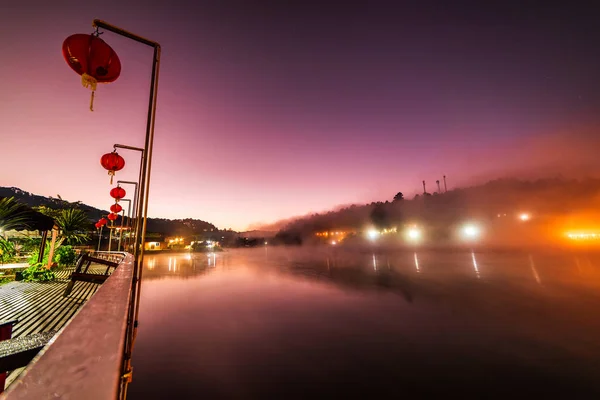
(41, 307)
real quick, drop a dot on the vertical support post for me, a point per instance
(100, 237)
(110, 237)
(141, 206)
(121, 230)
(52, 244)
(42, 246)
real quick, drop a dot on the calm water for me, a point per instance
(325, 323)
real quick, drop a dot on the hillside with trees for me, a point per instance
(547, 198)
(54, 206)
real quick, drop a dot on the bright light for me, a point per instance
(413, 233)
(266, 243)
(470, 231)
(333, 242)
(524, 217)
(583, 235)
(372, 234)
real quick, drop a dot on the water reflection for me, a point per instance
(329, 323)
(417, 262)
(475, 267)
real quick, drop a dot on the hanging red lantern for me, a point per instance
(112, 216)
(116, 208)
(93, 59)
(117, 193)
(102, 221)
(112, 162)
(98, 225)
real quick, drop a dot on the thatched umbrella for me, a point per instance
(24, 217)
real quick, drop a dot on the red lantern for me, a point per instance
(98, 225)
(117, 193)
(116, 208)
(112, 216)
(112, 162)
(93, 59)
(102, 221)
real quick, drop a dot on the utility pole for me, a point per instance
(445, 187)
(424, 190)
(438, 185)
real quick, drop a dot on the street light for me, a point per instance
(142, 206)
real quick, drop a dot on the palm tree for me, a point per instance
(74, 225)
(12, 216)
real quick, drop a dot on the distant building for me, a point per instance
(153, 245)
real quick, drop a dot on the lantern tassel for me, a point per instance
(90, 82)
(111, 173)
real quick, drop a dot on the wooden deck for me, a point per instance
(41, 307)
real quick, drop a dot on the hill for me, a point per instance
(154, 225)
(547, 198)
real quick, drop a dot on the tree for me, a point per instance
(12, 216)
(74, 225)
(399, 196)
(379, 216)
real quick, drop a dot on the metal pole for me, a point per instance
(142, 206)
(110, 237)
(122, 221)
(135, 193)
(121, 230)
(100, 237)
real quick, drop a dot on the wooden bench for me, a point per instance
(81, 273)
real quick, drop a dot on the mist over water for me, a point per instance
(317, 321)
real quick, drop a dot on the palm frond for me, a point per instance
(12, 214)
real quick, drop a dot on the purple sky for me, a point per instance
(274, 109)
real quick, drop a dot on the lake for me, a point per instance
(327, 322)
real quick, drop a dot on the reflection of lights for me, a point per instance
(188, 256)
(212, 259)
(333, 242)
(534, 271)
(524, 217)
(417, 263)
(475, 267)
(372, 234)
(374, 263)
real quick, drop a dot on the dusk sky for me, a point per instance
(272, 109)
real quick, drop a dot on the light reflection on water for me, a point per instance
(317, 322)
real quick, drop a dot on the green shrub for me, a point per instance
(7, 251)
(38, 273)
(33, 258)
(65, 256)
